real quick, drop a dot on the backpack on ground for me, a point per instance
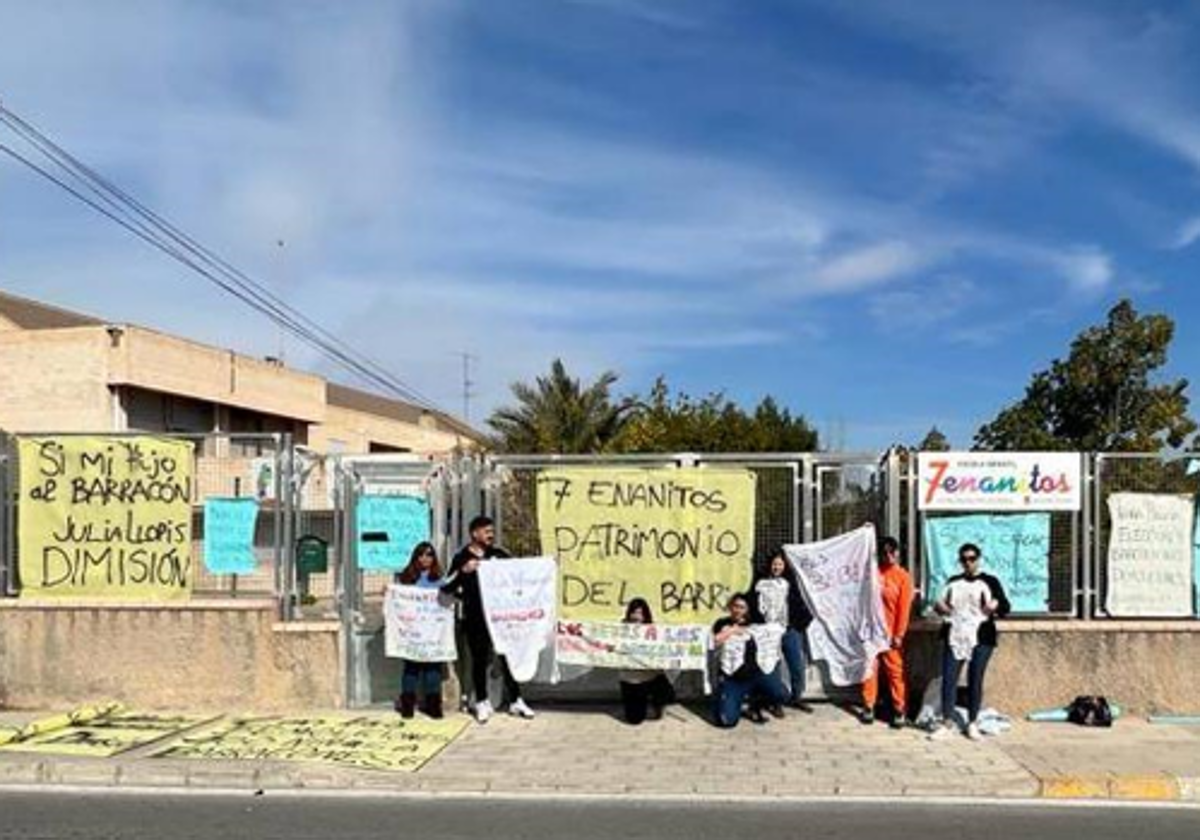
(1090, 710)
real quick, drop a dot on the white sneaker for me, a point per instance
(518, 708)
(483, 711)
(941, 732)
(973, 732)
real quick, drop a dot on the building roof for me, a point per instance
(33, 315)
(353, 399)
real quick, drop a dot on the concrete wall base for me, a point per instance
(221, 656)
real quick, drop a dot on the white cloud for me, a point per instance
(923, 305)
(867, 266)
(1188, 234)
(1088, 270)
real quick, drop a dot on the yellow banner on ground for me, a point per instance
(98, 732)
(105, 517)
(683, 539)
(375, 742)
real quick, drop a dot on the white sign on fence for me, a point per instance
(519, 601)
(999, 481)
(1150, 555)
(842, 590)
(418, 625)
(652, 647)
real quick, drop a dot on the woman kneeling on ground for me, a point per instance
(741, 677)
(643, 693)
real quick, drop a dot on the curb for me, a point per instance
(1125, 787)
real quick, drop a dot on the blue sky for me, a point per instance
(886, 214)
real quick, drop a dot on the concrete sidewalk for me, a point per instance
(586, 750)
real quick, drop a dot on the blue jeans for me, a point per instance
(762, 689)
(976, 668)
(424, 675)
(793, 655)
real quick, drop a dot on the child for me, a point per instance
(424, 571)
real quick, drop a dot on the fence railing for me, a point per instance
(800, 497)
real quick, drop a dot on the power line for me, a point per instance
(104, 197)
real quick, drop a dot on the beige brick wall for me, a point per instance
(159, 362)
(55, 380)
(216, 657)
(355, 430)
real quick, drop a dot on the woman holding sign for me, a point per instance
(423, 571)
(781, 602)
(972, 601)
(741, 647)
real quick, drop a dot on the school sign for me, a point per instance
(999, 481)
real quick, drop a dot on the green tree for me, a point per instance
(667, 422)
(934, 441)
(1103, 396)
(560, 414)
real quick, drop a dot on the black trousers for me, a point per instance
(639, 697)
(479, 643)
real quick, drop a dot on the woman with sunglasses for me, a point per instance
(423, 571)
(971, 601)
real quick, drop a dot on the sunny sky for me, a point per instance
(886, 214)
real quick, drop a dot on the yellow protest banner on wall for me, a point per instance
(683, 539)
(105, 517)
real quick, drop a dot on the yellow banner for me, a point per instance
(683, 539)
(105, 517)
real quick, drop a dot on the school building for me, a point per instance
(63, 371)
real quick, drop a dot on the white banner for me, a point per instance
(999, 481)
(841, 586)
(519, 600)
(634, 647)
(1150, 555)
(418, 625)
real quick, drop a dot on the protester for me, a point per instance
(424, 571)
(780, 601)
(644, 693)
(896, 587)
(971, 602)
(741, 677)
(464, 582)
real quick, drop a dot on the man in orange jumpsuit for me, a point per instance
(897, 588)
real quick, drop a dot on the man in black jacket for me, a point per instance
(463, 581)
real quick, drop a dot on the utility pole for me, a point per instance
(468, 384)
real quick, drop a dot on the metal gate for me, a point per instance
(452, 489)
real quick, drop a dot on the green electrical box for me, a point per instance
(312, 555)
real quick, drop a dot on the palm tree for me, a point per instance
(558, 414)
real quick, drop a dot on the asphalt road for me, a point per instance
(173, 817)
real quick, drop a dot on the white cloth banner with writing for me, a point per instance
(418, 625)
(841, 587)
(634, 647)
(1150, 555)
(519, 600)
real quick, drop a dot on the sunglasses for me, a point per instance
(969, 558)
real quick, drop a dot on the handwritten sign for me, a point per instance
(681, 538)
(388, 528)
(1150, 555)
(373, 742)
(841, 587)
(519, 605)
(418, 625)
(994, 481)
(229, 535)
(105, 735)
(105, 517)
(633, 647)
(1016, 549)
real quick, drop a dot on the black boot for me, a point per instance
(433, 706)
(406, 704)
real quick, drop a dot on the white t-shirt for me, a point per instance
(773, 600)
(966, 599)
